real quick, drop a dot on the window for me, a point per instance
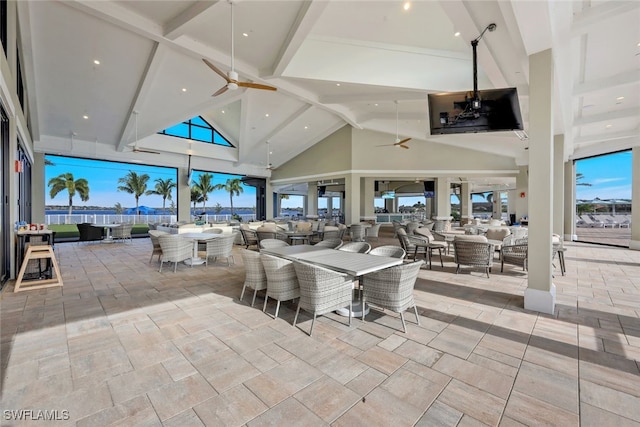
(197, 129)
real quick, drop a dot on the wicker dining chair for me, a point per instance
(473, 251)
(322, 291)
(156, 250)
(388, 251)
(220, 247)
(255, 277)
(282, 282)
(272, 243)
(330, 243)
(359, 247)
(392, 288)
(174, 249)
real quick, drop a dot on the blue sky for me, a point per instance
(609, 176)
(103, 183)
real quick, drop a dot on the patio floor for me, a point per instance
(121, 344)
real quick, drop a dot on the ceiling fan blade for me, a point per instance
(220, 91)
(402, 142)
(216, 69)
(256, 86)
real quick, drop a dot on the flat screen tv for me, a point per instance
(457, 112)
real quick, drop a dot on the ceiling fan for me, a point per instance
(232, 76)
(135, 148)
(399, 142)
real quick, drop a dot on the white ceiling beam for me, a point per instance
(618, 80)
(373, 97)
(594, 16)
(605, 117)
(307, 17)
(176, 27)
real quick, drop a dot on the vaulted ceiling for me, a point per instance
(333, 62)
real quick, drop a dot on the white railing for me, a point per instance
(134, 219)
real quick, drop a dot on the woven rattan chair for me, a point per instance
(515, 253)
(255, 277)
(156, 250)
(272, 243)
(322, 291)
(392, 288)
(389, 251)
(122, 232)
(174, 249)
(249, 236)
(372, 232)
(220, 247)
(282, 282)
(359, 247)
(473, 251)
(330, 243)
(357, 232)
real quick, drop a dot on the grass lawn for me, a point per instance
(70, 231)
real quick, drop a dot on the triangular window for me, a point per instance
(197, 129)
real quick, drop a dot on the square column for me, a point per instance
(443, 199)
(635, 199)
(570, 201)
(540, 294)
(558, 185)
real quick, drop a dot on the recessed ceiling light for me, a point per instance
(609, 126)
(97, 62)
(406, 5)
(456, 34)
(85, 117)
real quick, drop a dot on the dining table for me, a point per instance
(197, 238)
(351, 263)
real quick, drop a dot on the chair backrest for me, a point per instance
(359, 247)
(389, 251)
(272, 243)
(329, 243)
(255, 276)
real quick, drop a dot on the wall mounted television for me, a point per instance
(457, 112)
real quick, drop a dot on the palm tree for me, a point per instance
(205, 186)
(66, 182)
(164, 189)
(232, 186)
(134, 184)
(196, 196)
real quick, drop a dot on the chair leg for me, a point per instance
(404, 326)
(312, 323)
(277, 309)
(295, 319)
(415, 308)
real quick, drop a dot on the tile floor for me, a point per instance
(121, 344)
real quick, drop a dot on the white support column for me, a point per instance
(268, 195)
(635, 199)
(558, 185)
(184, 195)
(570, 201)
(522, 188)
(497, 205)
(311, 207)
(352, 199)
(466, 211)
(443, 199)
(540, 294)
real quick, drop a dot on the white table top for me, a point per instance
(354, 264)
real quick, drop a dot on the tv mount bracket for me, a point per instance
(475, 102)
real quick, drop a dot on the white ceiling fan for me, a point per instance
(135, 148)
(232, 76)
(398, 143)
